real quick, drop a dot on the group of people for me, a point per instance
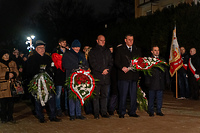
(188, 75)
(117, 81)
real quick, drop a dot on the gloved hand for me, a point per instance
(196, 76)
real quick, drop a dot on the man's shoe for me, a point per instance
(160, 114)
(59, 113)
(12, 121)
(134, 115)
(41, 120)
(72, 118)
(66, 112)
(111, 113)
(121, 116)
(106, 116)
(81, 117)
(33, 112)
(55, 119)
(182, 98)
(96, 117)
(3, 121)
(151, 114)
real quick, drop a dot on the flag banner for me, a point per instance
(175, 60)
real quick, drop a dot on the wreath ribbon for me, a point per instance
(41, 80)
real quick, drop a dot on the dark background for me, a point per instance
(49, 20)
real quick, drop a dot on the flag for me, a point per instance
(175, 60)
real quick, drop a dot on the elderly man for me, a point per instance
(127, 79)
(101, 62)
(193, 73)
(38, 59)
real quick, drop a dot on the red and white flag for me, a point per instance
(175, 60)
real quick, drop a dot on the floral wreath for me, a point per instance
(82, 84)
(40, 87)
(141, 99)
(146, 64)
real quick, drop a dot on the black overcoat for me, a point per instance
(123, 58)
(35, 61)
(159, 79)
(70, 62)
(100, 58)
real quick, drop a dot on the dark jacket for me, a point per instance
(113, 79)
(19, 61)
(185, 58)
(35, 61)
(196, 63)
(100, 58)
(123, 58)
(71, 61)
(159, 79)
(59, 75)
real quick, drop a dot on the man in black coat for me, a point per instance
(193, 73)
(156, 84)
(127, 79)
(34, 67)
(71, 61)
(182, 78)
(60, 78)
(101, 62)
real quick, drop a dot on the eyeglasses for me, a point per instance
(41, 47)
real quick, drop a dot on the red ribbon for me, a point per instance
(57, 59)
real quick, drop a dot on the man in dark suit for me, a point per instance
(156, 84)
(127, 79)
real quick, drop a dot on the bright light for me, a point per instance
(30, 41)
(29, 38)
(27, 42)
(32, 36)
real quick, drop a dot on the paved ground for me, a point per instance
(181, 116)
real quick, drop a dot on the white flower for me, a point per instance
(83, 93)
(154, 59)
(79, 85)
(84, 85)
(145, 58)
(148, 62)
(82, 88)
(150, 59)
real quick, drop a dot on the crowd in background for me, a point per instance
(109, 65)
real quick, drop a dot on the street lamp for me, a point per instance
(30, 41)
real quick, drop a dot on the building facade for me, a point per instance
(147, 7)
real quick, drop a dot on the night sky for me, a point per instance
(16, 14)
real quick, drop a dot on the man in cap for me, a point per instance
(71, 61)
(38, 59)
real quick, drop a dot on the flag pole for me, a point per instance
(176, 85)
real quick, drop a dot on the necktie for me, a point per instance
(129, 49)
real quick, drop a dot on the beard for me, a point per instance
(63, 46)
